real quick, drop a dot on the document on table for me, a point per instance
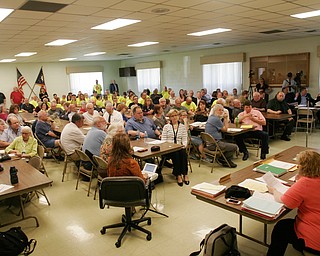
(198, 124)
(271, 181)
(254, 185)
(234, 130)
(136, 149)
(155, 142)
(4, 187)
(209, 188)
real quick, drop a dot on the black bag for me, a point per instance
(14, 242)
(219, 242)
(237, 192)
(5, 157)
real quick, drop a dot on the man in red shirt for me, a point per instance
(16, 97)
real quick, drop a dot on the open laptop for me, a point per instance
(150, 170)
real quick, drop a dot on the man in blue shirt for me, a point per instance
(214, 127)
(138, 125)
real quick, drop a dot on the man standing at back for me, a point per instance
(72, 137)
(16, 96)
(114, 87)
(97, 87)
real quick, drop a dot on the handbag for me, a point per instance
(236, 191)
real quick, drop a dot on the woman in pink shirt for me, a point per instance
(303, 232)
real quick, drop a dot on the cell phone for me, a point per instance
(233, 201)
(143, 150)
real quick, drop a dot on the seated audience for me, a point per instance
(215, 127)
(25, 145)
(159, 118)
(289, 96)
(135, 102)
(123, 110)
(54, 110)
(90, 114)
(121, 162)
(148, 107)
(95, 136)
(304, 97)
(258, 103)
(201, 114)
(164, 106)
(244, 96)
(44, 131)
(72, 110)
(279, 106)
(255, 118)
(172, 97)
(155, 96)
(3, 113)
(12, 132)
(237, 109)
(26, 106)
(14, 110)
(175, 132)
(178, 106)
(303, 231)
(3, 126)
(106, 147)
(143, 97)
(111, 115)
(72, 137)
(43, 94)
(190, 105)
(139, 124)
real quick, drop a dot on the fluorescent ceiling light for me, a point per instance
(306, 14)
(25, 54)
(60, 42)
(94, 53)
(142, 44)
(209, 32)
(114, 24)
(7, 60)
(67, 59)
(4, 13)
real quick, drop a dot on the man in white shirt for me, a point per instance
(111, 115)
(72, 137)
(90, 114)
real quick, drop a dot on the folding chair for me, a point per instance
(47, 150)
(66, 160)
(209, 141)
(305, 116)
(103, 165)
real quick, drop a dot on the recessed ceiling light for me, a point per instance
(67, 59)
(142, 44)
(25, 54)
(4, 13)
(7, 60)
(94, 53)
(60, 42)
(114, 24)
(209, 32)
(306, 14)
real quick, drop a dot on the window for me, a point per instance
(225, 76)
(148, 78)
(84, 82)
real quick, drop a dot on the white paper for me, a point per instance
(198, 124)
(86, 128)
(136, 149)
(293, 178)
(254, 185)
(281, 164)
(274, 183)
(209, 188)
(280, 180)
(234, 129)
(2, 151)
(4, 187)
(155, 142)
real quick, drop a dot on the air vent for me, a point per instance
(216, 43)
(160, 10)
(166, 51)
(39, 6)
(275, 31)
(123, 54)
(312, 31)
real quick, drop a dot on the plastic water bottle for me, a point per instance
(138, 135)
(145, 137)
(237, 122)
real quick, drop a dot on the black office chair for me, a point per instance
(125, 192)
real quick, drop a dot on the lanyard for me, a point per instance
(175, 133)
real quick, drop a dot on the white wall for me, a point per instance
(56, 79)
(183, 70)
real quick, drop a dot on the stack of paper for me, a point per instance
(198, 124)
(277, 168)
(234, 130)
(263, 205)
(209, 189)
(246, 126)
(254, 185)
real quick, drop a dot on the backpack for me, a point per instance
(219, 242)
(14, 242)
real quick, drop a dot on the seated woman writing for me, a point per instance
(25, 145)
(303, 232)
(175, 132)
(121, 162)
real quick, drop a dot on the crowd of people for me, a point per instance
(115, 119)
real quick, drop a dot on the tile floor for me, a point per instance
(71, 225)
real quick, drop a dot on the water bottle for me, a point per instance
(237, 122)
(138, 135)
(145, 137)
(13, 175)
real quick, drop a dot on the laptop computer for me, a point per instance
(150, 170)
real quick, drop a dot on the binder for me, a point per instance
(276, 171)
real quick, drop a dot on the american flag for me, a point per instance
(21, 82)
